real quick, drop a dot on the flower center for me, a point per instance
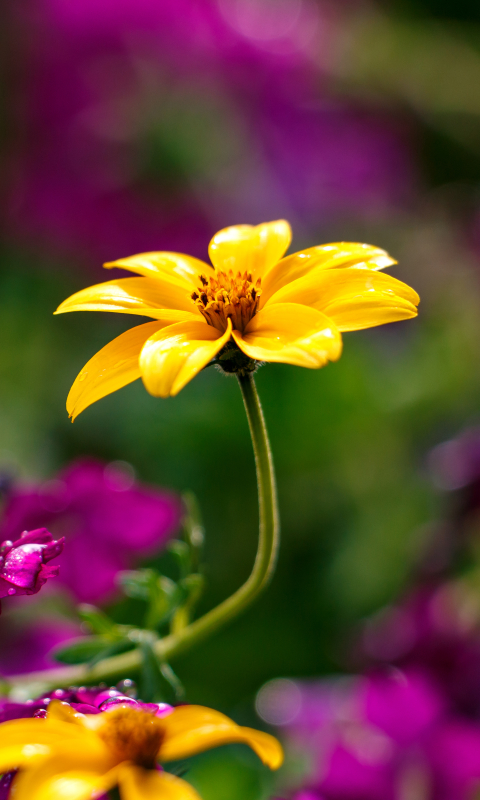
(227, 296)
(132, 735)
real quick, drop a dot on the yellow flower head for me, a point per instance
(73, 756)
(252, 305)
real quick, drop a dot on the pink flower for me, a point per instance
(115, 158)
(23, 567)
(378, 737)
(27, 639)
(109, 521)
(87, 700)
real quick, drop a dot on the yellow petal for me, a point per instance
(42, 749)
(148, 297)
(62, 712)
(336, 255)
(21, 754)
(177, 266)
(39, 731)
(356, 313)
(252, 248)
(338, 291)
(53, 780)
(193, 729)
(174, 355)
(292, 334)
(139, 784)
(112, 368)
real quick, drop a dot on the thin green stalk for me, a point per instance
(196, 631)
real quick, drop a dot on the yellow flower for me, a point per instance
(72, 756)
(262, 306)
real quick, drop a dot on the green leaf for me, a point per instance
(193, 527)
(158, 680)
(161, 593)
(181, 552)
(194, 585)
(138, 584)
(114, 649)
(96, 619)
(173, 680)
(165, 598)
(78, 651)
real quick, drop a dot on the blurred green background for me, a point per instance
(367, 129)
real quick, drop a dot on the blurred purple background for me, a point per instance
(143, 125)
(147, 125)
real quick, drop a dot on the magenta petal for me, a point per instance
(353, 776)
(103, 695)
(7, 589)
(9, 710)
(22, 565)
(53, 549)
(455, 756)
(403, 705)
(108, 519)
(38, 536)
(43, 576)
(308, 795)
(84, 708)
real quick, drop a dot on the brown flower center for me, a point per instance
(227, 296)
(132, 735)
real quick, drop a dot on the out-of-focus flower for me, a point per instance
(411, 725)
(261, 305)
(455, 468)
(87, 700)
(83, 754)
(26, 640)
(386, 736)
(149, 119)
(108, 520)
(434, 630)
(23, 563)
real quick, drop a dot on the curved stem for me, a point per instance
(198, 630)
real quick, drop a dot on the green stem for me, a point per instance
(263, 568)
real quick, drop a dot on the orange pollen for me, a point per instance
(227, 296)
(132, 735)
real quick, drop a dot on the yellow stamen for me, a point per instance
(227, 296)
(133, 735)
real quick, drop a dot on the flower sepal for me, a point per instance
(232, 361)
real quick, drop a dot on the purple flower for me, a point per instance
(26, 646)
(108, 521)
(385, 736)
(431, 630)
(87, 700)
(455, 464)
(23, 563)
(100, 170)
(306, 794)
